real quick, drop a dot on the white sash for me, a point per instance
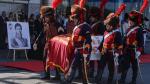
(95, 24)
(132, 30)
(107, 35)
(78, 26)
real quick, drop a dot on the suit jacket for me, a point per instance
(3, 31)
(98, 28)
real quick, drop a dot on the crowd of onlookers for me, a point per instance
(35, 28)
(4, 17)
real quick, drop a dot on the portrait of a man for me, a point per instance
(18, 40)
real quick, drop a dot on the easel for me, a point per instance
(14, 50)
(14, 54)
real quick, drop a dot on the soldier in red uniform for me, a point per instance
(81, 38)
(133, 45)
(110, 48)
(51, 27)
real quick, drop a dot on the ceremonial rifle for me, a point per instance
(85, 64)
(138, 63)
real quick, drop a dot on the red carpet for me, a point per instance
(34, 66)
(145, 58)
(37, 66)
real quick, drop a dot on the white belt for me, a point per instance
(80, 48)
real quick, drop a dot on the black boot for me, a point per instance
(110, 78)
(134, 78)
(123, 77)
(45, 75)
(109, 81)
(68, 81)
(121, 81)
(71, 76)
(56, 75)
(91, 69)
(85, 83)
(62, 78)
(98, 77)
(132, 82)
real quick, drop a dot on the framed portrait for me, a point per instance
(96, 41)
(18, 35)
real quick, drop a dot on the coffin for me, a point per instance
(60, 52)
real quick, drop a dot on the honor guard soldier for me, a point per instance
(111, 47)
(81, 38)
(51, 27)
(133, 45)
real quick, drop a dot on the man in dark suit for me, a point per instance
(19, 41)
(3, 30)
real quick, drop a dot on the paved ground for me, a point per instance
(16, 76)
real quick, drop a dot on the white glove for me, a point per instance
(116, 54)
(137, 54)
(60, 29)
(35, 46)
(85, 55)
(116, 59)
